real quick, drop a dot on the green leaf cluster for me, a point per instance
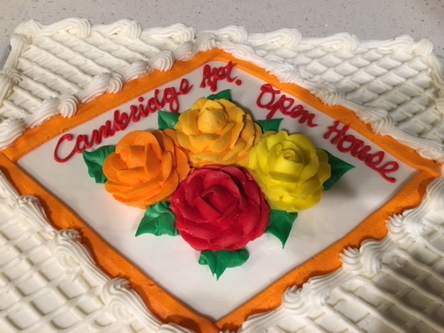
(94, 162)
(158, 220)
(219, 261)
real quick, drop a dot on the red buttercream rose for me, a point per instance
(220, 208)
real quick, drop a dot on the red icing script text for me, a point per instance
(347, 143)
(271, 100)
(121, 120)
(212, 76)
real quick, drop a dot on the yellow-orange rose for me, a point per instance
(217, 132)
(290, 170)
(146, 168)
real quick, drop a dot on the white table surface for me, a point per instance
(368, 20)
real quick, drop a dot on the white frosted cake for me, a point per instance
(357, 247)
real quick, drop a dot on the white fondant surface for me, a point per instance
(362, 188)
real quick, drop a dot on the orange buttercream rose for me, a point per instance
(146, 168)
(217, 132)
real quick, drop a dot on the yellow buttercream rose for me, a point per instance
(290, 170)
(217, 132)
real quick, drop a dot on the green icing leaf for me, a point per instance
(219, 261)
(338, 169)
(270, 124)
(167, 120)
(158, 220)
(94, 161)
(224, 94)
(280, 224)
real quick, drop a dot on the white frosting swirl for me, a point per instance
(277, 39)
(232, 33)
(10, 130)
(124, 304)
(290, 75)
(431, 153)
(112, 296)
(185, 52)
(102, 83)
(126, 28)
(205, 41)
(30, 28)
(163, 61)
(68, 105)
(423, 48)
(171, 36)
(372, 253)
(383, 125)
(351, 260)
(295, 301)
(377, 117)
(137, 70)
(115, 83)
(82, 28)
(29, 210)
(65, 105)
(343, 42)
(396, 227)
(398, 44)
(328, 94)
(47, 110)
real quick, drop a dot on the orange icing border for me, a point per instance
(160, 303)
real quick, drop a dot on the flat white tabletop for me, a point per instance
(367, 19)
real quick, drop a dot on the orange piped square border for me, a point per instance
(163, 305)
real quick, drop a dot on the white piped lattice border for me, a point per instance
(396, 86)
(50, 283)
(393, 285)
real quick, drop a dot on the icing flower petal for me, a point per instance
(146, 168)
(217, 132)
(290, 170)
(225, 211)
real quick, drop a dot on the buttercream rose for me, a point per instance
(146, 168)
(290, 170)
(220, 208)
(217, 132)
